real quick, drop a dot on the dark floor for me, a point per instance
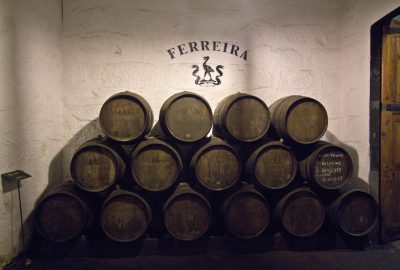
(385, 257)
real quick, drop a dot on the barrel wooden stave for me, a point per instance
(155, 165)
(185, 117)
(355, 213)
(62, 214)
(216, 165)
(272, 166)
(299, 119)
(187, 214)
(126, 117)
(241, 117)
(300, 213)
(96, 166)
(125, 216)
(246, 213)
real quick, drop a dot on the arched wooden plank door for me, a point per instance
(390, 133)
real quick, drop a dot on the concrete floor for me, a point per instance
(375, 257)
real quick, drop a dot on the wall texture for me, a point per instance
(112, 46)
(356, 19)
(56, 71)
(30, 106)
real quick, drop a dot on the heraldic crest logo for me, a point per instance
(205, 76)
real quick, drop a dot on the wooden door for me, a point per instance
(390, 139)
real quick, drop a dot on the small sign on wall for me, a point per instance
(10, 180)
(204, 73)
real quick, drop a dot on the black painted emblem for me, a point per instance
(206, 75)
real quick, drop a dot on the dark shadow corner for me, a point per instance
(58, 173)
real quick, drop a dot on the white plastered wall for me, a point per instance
(356, 20)
(30, 107)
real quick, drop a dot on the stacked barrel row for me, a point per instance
(264, 169)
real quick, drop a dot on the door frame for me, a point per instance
(376, 37)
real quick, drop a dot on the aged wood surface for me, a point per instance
(126, 117)
(390, 140)
(61, 215)
(355, 213)
(96, 167)
(247, 119)
(246, 213)
(155, 165)
(216, 166)
(301, 212)
(125, 216)
(186, 117)
(307, 121)
(328, 166)
(241, 117)
(272, 166)
(299, 119)
(187, 214)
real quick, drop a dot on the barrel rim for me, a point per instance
(275, 123)
(296, 192)
(207, 148)
(259, 151)
(238, 193)
(311, 165)
(169, 149)
(344, 197)
(169, 102)
(235, 97)
(184, 192)
(84, 209)
(147, 112)
(115, 163)
(291, 106)
(114, 195)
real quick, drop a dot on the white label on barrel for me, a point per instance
(331, 168)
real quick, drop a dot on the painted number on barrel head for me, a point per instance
(331, 168)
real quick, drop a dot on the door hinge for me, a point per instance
(376, 105)
(392, 107)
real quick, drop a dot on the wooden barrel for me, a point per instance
(299, 119)
(216, 165)
(300, 212)
(96, 166)
(187, 214)
(246, 213)
(62, 214)
(126, 117)
(185, 117)
(125, 216)
(355, 213)
(155, 165)
(326, 165)
(242, 118)
(272, 166)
